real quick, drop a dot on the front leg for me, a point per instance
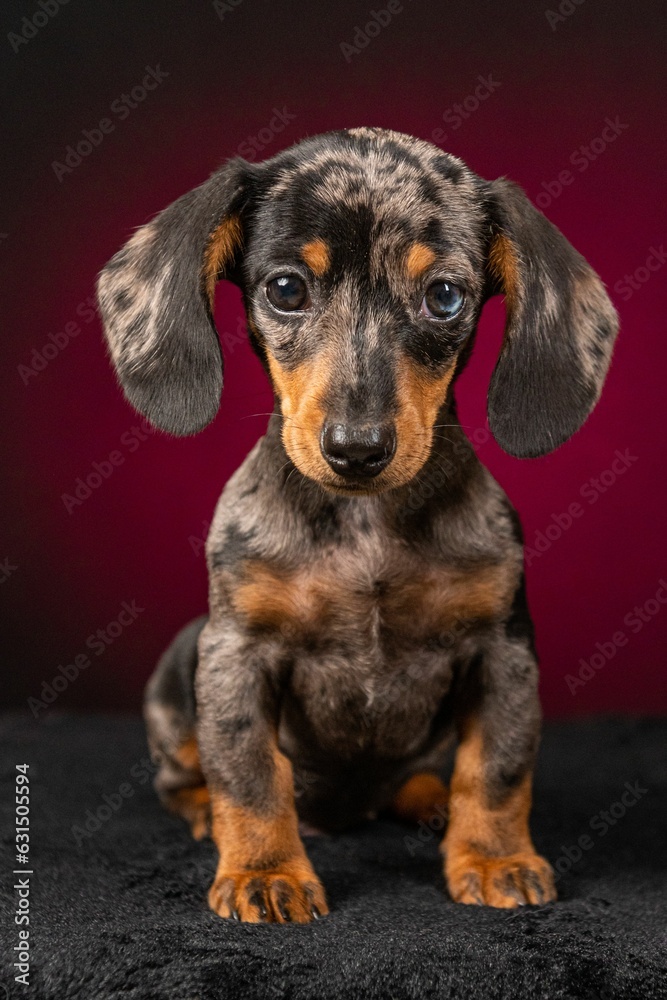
(263, 874)
(489, 854)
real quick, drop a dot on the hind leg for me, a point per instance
(180, 783)
(169, 711)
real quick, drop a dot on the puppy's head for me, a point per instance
(364, 257)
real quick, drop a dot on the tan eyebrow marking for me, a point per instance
(419, 258)
(317, 257)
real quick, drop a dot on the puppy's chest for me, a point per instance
(378, 599)
(371, 633)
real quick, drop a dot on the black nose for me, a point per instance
(358, 451)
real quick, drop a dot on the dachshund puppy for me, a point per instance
(367, 604)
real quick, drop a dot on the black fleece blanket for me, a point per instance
(116, 898)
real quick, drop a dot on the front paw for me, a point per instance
(506, 882)
(289, 893)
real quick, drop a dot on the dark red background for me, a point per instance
(133, 538)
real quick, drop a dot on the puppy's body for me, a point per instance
(369, 613)
(366, 581)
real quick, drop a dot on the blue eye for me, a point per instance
(442, 300)
(288, 292)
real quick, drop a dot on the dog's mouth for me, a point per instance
(346, 487)
(391, 478)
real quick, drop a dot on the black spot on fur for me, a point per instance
(449, 169)
(124, 300)
(604, 330)
(325, 525)
(118, 261)
(235, 548)
(137, 326)
(519, 624)
(231, 728)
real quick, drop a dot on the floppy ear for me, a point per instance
(560, 329)
(156, 302)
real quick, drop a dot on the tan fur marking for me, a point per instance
(244, 835)
(194, 806)
(421, 798)
(417, 605)
(419, 259)
(269, 598)
(187, 755)
(442, 599)
(300, 392)
(222, 245)
(489, 853)
(317, 257)
(420, 397)
(500, 830)
(504, 267)
(191, 801)
(261, 854)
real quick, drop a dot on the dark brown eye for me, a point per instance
(442, 300)
(288, 292)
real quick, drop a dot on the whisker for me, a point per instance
(248, 416)
(466, 427)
